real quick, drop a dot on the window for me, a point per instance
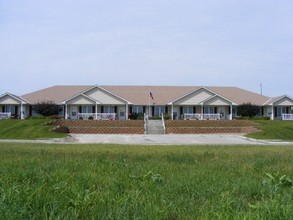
(109, 109)
(235, 112)
(137, 109)
(209, 110)
(159, 110)
(280, 111)
(188, 110)
(10, 108)
(87, 109)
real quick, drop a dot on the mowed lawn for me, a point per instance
(27, 129)
(46, 181)
(277, 130)
(35, 129)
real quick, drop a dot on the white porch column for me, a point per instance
(231, 112)
(21, 110)
(273, 113)
(172, 112)
(96, 111)
(201, 111)
(66, 114)
(126, 112)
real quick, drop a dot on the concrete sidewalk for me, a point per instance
(173, 139)
(168, 139)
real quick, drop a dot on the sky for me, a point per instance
(242, 43)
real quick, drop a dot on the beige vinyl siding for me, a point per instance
(7, 100)
(80, 100)
(218, 101)
(284, 102)
(104, 97)
(195, 98)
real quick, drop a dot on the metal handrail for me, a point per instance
(163, 123)
(145, 119)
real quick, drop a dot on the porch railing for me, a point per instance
(5, 115)
(287, 117)
(202, 116)
(97, 116)
(192, 116)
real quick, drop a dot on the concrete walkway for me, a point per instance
(174, 139)
(170, 139)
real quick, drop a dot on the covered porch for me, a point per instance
(212, 108)
(88, 108)
(280, 108)
(12, 106)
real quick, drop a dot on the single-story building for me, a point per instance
(118, 102)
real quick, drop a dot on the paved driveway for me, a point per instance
(168, 139)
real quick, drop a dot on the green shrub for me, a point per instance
(248, 110)
(55, 117)
(136, 116)
(167, 117)
(14, 116)
(37, 117)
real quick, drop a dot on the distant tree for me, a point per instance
(46, 108)
(248, 110)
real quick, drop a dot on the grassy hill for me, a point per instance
(277, 130)
(35, 129)
(27, 129)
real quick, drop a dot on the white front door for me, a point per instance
(222, 112)
(73, 114)
(121, 113)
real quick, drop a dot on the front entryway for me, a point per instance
(221, 111)
(74, 112)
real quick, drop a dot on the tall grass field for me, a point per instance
(145, 182)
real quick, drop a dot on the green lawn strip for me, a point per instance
(34, 129)
(27, 129)
(274, 130)
(41, 181)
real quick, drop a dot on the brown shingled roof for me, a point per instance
(57, 94)
(240, 96)
(139, 95)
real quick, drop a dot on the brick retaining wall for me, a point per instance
(106, 130)
(209, 123)
(209, 130)
(172, 127)
(209, 127)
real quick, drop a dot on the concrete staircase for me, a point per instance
(154, 127)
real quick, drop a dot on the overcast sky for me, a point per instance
(239, 43)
